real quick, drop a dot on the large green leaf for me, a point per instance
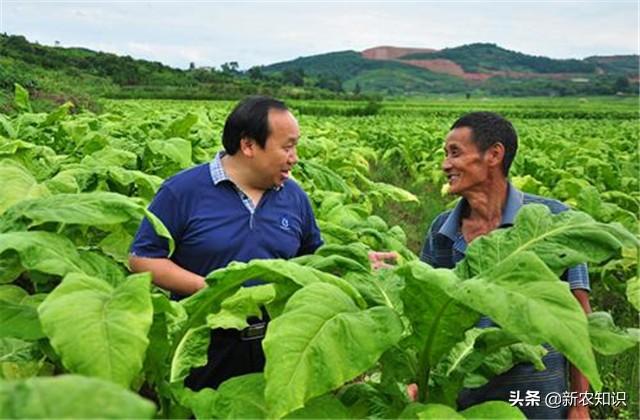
(110, 156)
(21, 99)
(493, 410)
(528, 300)
(19, 320)
(6, 128)
(503, 359)
(96, 208)
(438, 411)
(191, 352)
(321, 340)
(223, 283)
(167, 316)
(241, 397)
(147, 184)
(70, 396)
(448, 376)
(245, 303)
(93, 209)
(181, 126)
(438, 319)
(22, 359)
(609, 339)
(175, 149)
(109, 340)
(561, 241)
(633, 292)
(17, 184)
(42, 251)
(324, 407)
(57, 115)
(51, 253)
(15, 350)
(388, 191)
(322, 178)
(116, 244)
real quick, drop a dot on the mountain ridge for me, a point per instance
(476, 65)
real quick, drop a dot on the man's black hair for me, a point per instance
(489, 128)
(250, 119)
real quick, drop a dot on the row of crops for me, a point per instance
(81, 337)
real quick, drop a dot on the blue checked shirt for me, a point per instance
(218, 175)
(444, 247)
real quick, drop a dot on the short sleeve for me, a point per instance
(578, 277)
(429, 249)
(146, 242)
(311, 238)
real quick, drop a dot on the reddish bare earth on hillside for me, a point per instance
(444, 66)
(390, 53)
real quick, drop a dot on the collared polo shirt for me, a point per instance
(214, 223)
(444, 247)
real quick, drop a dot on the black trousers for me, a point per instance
(228, 355)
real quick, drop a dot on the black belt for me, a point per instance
(254, 331)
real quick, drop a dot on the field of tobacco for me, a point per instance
(81, 337)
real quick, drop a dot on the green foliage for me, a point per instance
(113, 326)
(482, 57)
(344, 341)
(70, 396)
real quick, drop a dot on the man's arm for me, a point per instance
(168, 275)
(579, 383)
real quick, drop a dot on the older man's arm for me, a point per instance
(579, 383)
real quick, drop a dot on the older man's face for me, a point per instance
(464, 165)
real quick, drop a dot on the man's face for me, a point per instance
(464, 165)
(279, 155)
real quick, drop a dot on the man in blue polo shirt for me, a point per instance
(240, 206)
(479, 151)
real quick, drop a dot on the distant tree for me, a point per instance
(357, 89)
(192, 66)
(230, 68)
(293, 77)
(330, 82)
(255, 73)
(621, 84)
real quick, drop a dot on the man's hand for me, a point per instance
(578, 412)
(412, 392)
(379, 259)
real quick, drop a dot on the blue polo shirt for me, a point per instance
(214, 223)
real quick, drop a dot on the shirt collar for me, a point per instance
(217, 170)
(451, 226)
(218, 174)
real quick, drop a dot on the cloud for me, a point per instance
(252, 33)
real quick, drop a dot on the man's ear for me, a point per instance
(248, 146)
(495, 154)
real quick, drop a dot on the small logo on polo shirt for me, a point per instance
(284, 223)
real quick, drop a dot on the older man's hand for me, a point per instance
(380, 259)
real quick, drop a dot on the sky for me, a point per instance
(210, 33)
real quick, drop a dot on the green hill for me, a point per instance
(479, 68)
(54, 75)
(483, 57)
(618, 64)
